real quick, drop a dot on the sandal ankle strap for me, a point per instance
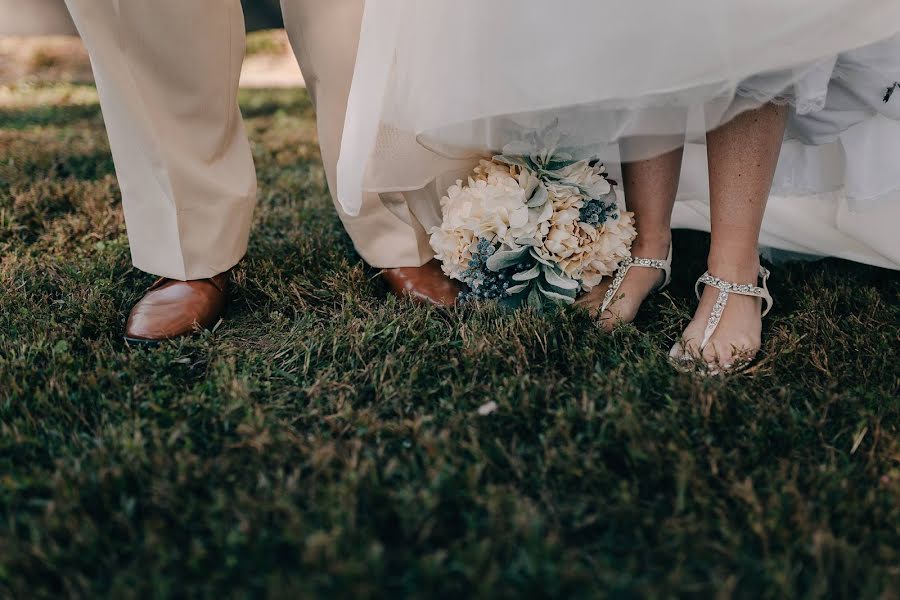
(633, 261)
(726, 288)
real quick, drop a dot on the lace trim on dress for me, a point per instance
(803, 106)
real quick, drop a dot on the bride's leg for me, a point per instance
(650, 189)
(742, 157)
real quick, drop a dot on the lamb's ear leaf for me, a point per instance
(504, 259)
(539, 198)
(558, 163)
(507, 159)
(518, 289)
(567, 153)
(522, 241)
(557, 280)
(568, 293)
(538, 258)
(517, 161)
(528, 275)
(554, 296)
(535, 299)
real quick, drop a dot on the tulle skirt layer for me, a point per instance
(840, 198)
(441, 83)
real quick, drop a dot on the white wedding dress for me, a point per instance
(442, 82)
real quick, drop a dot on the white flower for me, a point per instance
(588, 178)
(492, 205)
(453, 248)
(608, 245)
(583, 252)
(503, 193)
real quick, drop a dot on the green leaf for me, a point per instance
(559, 281)
(528, 242)
(554, 296)
(518, 289)
(529, 274)
(569, 293)
(538, 258)
(558, 163)
(539, 198)
(505, 259)
(515, 160)
(535, 299)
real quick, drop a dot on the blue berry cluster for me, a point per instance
(483, 284)
(598, 212)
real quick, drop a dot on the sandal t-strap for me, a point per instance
(726, 288)
(650, 263)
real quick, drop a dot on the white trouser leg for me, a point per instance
(167, 72)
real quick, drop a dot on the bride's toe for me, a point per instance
(735, 344)
(715, 354)
(685, 351)
(608, 320)
(722, 356)
(677, 353)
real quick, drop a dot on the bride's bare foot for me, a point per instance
(738, 337)
(637, 285)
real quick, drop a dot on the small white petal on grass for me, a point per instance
(487, 408)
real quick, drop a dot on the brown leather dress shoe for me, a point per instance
(426, 284)
(173, 308)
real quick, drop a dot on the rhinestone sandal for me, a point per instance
(677, 356)
(650, 263)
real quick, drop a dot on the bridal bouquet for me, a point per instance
(533, 227)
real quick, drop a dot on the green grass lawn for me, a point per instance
(326, 440)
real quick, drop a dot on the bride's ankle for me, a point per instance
(737, 270)
(652, 246)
